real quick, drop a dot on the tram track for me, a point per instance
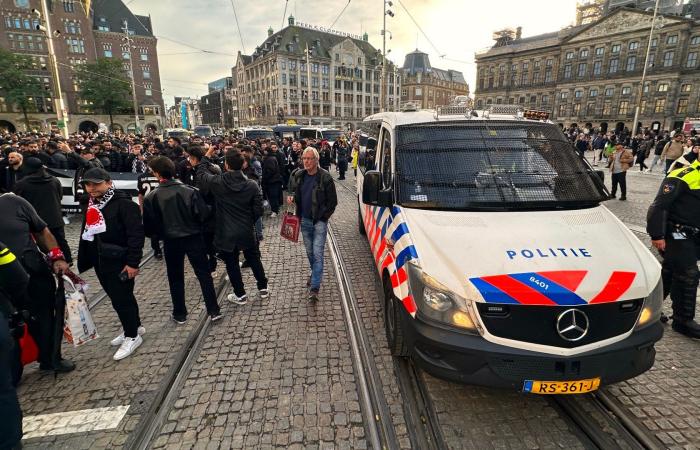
(101, 294)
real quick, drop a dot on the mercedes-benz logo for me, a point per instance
(572, 325)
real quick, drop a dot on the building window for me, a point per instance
(600, 51)
(569, 55)
(623, 107)
(146, 74)
(614, 62)
(567, 71)
(626, 90)
(292, 65)
(663, 87)
(631, 63)
(562, 110)
(597, 67)
(68, 6)
(325, 69)
(583, 53)
(692, 60)
(564, 95)
(102, 24)
(687, 87)
(590, 109)
(582, 70)
(75, 45)
(695, 40)
(634, 45)
(72, 27)
(576, 110)
(593, 93)
(144, 54)
(578, 94)
(615, 48)
(672, 40)
(545, 100)
(108, 53)
(682, 107)
(607, 108)
(126, 55)
(418, 92)
(609, 92)
(668, 58)
(659, 105)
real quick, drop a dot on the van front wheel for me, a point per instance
(393, 322)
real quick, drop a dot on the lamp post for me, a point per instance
(644, 71)
(308, 81)
(382, 85)
(127, 39)
(59, 104)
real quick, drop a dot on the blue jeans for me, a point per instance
(315, 242)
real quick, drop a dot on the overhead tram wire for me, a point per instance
(238, 26)
(341, 13)
(284, 14)
(108, 77)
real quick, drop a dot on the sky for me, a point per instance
(453, 29)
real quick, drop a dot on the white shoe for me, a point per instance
(128, 347)
(117, 341)
(233, 298)
(264, 293)
(273, 215)
(66, 220)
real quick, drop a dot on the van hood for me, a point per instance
(537, 258)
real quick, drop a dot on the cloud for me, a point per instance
(455, 28)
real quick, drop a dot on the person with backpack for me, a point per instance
(177, 213)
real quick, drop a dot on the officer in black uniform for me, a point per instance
(146, 183)
(673, 222)
(13, 283)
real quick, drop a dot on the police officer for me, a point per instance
(673, 222)
(13, 282)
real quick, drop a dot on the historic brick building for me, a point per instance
(85, 35)
(427, 86)
(338, 87)
(592, 73)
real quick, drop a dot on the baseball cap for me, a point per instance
(96, 175)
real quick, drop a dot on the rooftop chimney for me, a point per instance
(270, 32)
(291, 20)
(365, 37)
(518, 32)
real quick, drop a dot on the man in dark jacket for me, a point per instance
(316, 199)
(112, 242)
(12, 171)
(45, 192)
(177, 213)
(58, 159)
(238, 206)
(272, 179)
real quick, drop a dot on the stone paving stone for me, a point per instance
(98, 380)
(276, 372)
(470, 417)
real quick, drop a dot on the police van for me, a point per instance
(326, 134)
(499, 262)
(252, 133)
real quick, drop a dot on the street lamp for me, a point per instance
(644, 71)
(127, 39)
(59, 105)
(382, 86)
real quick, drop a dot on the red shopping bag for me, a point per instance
(28, 349)
(290, 227)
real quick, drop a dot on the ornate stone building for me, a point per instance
(427, 86)
(338, 87)
(86, 33)
(592, 73)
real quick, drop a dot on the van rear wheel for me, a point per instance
(393, 322)
(360, 223)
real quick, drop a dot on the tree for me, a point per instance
(106, 86)
(16, 86)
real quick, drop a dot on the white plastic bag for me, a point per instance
(79, 327)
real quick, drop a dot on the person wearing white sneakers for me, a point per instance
(112, 242)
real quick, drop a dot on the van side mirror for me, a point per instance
(372, 192)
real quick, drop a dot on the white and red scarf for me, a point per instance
(94, 220)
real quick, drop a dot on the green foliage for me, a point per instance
(15, 85)
(105, 85)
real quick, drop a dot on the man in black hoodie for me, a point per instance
(238, 205)
(112, 242)
(45, 192)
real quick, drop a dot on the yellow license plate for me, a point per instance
(561, 387)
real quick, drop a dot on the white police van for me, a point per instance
(326, 134)
(500, 265)
(252, 133)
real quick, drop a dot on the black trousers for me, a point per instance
(60, 235)
(155, 244)
(619, 179)
(680, 275)
(274, 195)
(11, 423)
(252, 257)
(342, 168)
(174, 251)
(121, 293)
(41, 304)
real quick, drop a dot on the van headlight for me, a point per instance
(437, 302)
(651, 309)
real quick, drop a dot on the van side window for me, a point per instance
(386, 159)
(370, 155)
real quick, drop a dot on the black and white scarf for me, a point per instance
(94, 220)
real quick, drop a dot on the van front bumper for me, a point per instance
(474, 360)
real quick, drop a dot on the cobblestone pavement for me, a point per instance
(470, 417)
(98, 380)
(273, 373)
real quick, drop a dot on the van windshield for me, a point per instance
(496, 165)
(307, 134)
(331, 135)
(259, 134)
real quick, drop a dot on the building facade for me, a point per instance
(310, 75)
(428, 87)
(592, 74)
(217, 106)
(85, 35)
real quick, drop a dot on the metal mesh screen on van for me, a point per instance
(491, 165)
